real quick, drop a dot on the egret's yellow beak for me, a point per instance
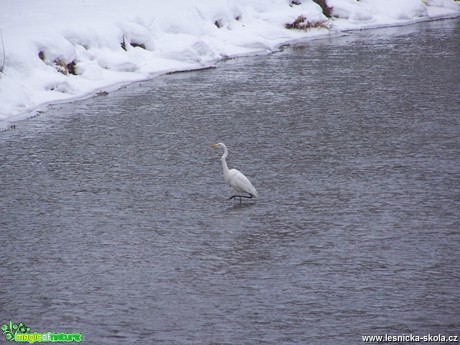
(213, 145)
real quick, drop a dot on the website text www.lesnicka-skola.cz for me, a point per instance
(410, 338)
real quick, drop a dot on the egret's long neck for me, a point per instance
(224, 162)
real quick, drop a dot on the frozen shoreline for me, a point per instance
(54, 57)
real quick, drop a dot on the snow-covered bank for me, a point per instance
(65, 50)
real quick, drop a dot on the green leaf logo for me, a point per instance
(10, 329)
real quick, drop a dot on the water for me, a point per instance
(115, 223)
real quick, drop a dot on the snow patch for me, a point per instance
(66, 50)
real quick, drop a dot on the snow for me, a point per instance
(59, 51)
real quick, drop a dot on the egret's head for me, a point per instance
(214, 146)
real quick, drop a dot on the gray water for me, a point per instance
(115, 224)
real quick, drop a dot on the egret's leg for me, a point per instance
(250, 196)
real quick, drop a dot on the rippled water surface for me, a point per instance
(115, 224)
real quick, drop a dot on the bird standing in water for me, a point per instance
(237, 180)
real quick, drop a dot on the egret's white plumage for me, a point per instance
(237, 180)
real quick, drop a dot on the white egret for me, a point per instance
(237, 180)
